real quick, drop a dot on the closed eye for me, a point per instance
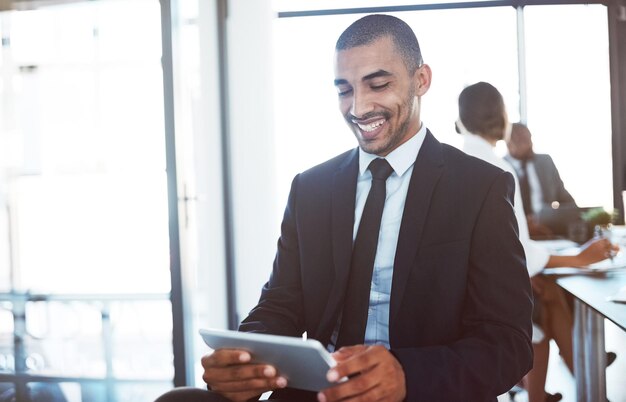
(379, 87)
(344, 92)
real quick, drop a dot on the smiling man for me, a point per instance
(400, 256)
(379, 92)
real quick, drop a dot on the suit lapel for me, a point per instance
(426, 173)
(342, 222)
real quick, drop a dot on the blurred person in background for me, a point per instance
(540, 182)
(483, 122)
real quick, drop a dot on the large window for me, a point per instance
(84, 264)
(569, 101)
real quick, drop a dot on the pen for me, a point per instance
(599, 233)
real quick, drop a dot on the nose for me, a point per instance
(361, 104)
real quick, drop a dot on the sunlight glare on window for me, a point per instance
(569, 118)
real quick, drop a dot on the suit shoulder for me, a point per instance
(545, 157)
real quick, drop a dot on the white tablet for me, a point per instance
(304, 363)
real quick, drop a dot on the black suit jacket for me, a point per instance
(460, 309)
(552, 187)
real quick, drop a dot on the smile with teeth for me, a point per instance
(371, 126)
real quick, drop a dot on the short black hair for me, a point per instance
(372, 27)
(482, 110)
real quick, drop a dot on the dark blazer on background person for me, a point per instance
(460, 309)
(552, 187)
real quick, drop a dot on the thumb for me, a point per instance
(347, 351)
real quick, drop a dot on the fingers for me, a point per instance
(362, 358)
(357, 388)
(240, 372)
(374, 373)
(225, 357)
(230, 373)
(348, 351)
(597, 250)
(607, 248)
(253, 384)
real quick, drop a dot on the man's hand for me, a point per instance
(375, 375)
(230, 373)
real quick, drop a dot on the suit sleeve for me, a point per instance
(562, 195)
(494, 350)
(280, 308)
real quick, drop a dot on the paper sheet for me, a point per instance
(619, 297)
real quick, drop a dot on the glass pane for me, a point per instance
(80, 339)
(88, 190)
(309, 126)
(140, 392)
(107, 232)
(93, 392)
(569, 104)
(49, 392)
(8, 389)
(7, 357)
(99, 392)
(46, 391)
(64, 339)
(83, 196)
(138, 330)
(5, 257)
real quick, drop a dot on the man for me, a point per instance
(546, 185)
(483, 122)
(540, 182)
(446, 313)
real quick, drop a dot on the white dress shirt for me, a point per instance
(536, 256)
(536, 195)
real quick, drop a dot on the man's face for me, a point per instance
(378, 96)
(520, 146)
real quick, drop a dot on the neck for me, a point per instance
(492, 141)
(464, 131)
(525, 157)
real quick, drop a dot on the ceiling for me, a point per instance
(33, 4)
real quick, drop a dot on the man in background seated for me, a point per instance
(540, 183)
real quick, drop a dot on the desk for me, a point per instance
(590, 310)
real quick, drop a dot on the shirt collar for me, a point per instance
(475, 144)
(479, 147)
(401, 158)
(515, 162)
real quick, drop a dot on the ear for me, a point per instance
(422, 79)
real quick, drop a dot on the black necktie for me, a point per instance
(356, 302)
(525, 190)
